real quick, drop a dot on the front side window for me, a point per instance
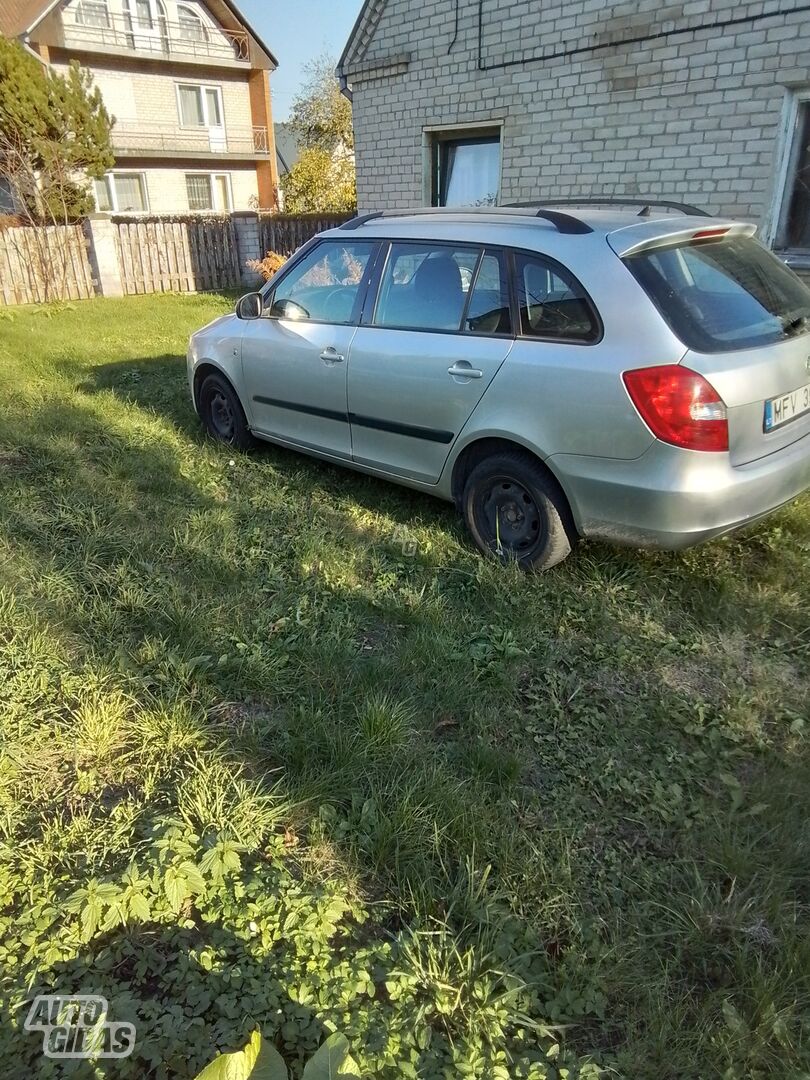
(200, 106)
(208, 191)
(325, 285)
(725, 294)
(426, 286)
(552, 304)
(122, 193)
(466, 171)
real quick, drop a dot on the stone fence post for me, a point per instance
(101, 250)
(248, 244)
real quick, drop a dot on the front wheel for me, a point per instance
(222, 413)
(516, 512)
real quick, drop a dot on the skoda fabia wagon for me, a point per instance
(643, 378)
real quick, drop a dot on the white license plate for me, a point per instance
(781, 410)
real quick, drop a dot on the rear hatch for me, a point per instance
(744, 318)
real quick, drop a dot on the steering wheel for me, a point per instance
(328, 301)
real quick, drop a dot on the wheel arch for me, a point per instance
(201, 372)
(479, 449)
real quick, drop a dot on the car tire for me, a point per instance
(516, 512)
(222, 413)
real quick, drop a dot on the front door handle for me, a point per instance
(463, 370)
(332, 356)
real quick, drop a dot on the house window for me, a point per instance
(190, 24)
(92, 13)
(121, 193)
(209, 191)
(143, 11)
(200, 106)
(466, 170)
(6, 196)
(794, 232)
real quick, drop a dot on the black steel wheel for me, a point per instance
(222, 413)
(516, 512)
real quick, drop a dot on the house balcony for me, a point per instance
(169, 141)
(123, 35)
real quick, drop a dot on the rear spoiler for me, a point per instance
(649, 235)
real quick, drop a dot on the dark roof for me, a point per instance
(288, 149)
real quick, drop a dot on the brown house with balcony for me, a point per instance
(189, 86)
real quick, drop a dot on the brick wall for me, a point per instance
(594, 97)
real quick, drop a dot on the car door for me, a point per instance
(440, 328)
(294, 358)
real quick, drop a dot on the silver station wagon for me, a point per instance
(640, 377)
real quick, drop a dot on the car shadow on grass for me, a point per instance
(573, 732)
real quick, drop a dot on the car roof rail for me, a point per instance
(632, 200)
(563, 223)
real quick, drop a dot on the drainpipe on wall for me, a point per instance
(24, 40)
(345, 89)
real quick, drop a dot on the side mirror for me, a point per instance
(250, 306)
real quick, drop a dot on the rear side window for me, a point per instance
(722, 295)
(425, 286)
(552, 303)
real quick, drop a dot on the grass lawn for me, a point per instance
(281, 751)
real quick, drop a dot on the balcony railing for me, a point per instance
(162, 38)
(159, 138)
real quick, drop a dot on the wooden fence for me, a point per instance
(182, 255)
(43, 263)
(285, 233)
(170, 254)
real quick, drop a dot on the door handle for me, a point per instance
(463, 370)
(332, 356)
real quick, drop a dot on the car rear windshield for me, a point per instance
(722, 295)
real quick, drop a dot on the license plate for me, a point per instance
(781, 410)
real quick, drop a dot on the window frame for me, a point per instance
(269, 291)
(79, 17)
(113, 193)
(796, 100)
(187, 8)
(438, 140)
(200, 87)
(211, 176)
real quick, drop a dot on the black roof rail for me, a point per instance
(631, 200)
(563, 223)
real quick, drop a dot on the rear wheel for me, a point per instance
(222, 413)
(516, 512)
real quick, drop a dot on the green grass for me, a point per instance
(518, 811)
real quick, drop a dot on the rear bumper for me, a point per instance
(671, 498)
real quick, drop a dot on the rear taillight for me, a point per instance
(679, 406)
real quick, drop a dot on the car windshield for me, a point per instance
(723, 295)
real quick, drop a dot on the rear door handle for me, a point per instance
(332, 356)
(463, 370)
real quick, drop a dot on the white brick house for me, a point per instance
(706, 101)
(188, 84)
